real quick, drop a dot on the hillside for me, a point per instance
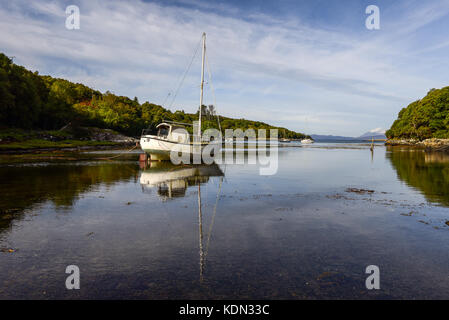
(31, 101)
(423, 119)
(376, 134)
(322, 137)
(366, 136)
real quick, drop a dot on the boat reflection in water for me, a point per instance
(172, 181)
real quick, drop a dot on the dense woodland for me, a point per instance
(425, 118)
(31, 101)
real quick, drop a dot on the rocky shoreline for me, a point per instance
(19, 141)
(430, 144)
(39, 150)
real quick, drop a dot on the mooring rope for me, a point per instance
(122, 153)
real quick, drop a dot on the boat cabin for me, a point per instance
(173, 132)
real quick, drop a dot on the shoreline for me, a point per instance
(432, 144)
(21, 141)
(102, 145)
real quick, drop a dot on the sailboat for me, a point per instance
(168, 137)
(307, 140)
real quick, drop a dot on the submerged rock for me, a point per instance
(359, 191)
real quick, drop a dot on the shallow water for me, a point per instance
(307, 232)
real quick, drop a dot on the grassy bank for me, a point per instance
(14, 139)
(44, 144)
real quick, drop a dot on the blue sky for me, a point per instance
(311, 66)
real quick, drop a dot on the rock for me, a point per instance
(97, 134)
(359, 191)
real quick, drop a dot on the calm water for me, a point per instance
(307, 232)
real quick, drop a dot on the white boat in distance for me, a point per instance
(307, 141)
(159, 146)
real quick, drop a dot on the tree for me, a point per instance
(425, 118)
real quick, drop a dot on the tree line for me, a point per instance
(31, 101)
(424, 118)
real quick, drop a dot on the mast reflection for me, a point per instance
(172, 181)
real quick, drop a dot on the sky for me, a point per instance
(311, 66)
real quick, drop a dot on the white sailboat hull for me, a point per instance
(159, 148)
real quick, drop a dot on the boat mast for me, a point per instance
(202, 82)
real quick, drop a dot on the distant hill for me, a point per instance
(366, 136)
(320, 137)
(424, 118)
(375, 137)
(370, 134)
(377, 134)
